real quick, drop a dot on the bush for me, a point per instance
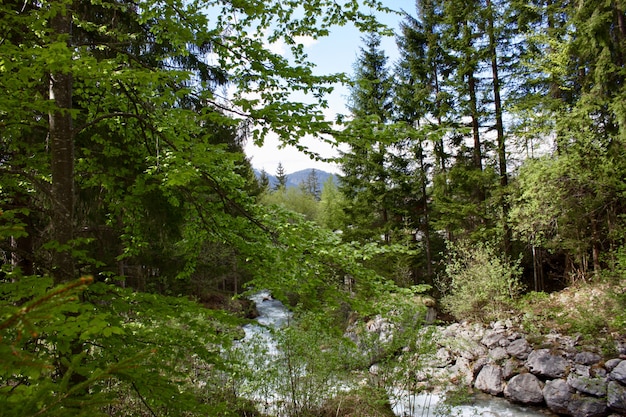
(479, 283)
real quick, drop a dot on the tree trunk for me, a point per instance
(497, 101)
(62, 153)
(426, 227)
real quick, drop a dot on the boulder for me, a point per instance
(492, 338)
(543, 363)
(461, 372)
(490, 380)
(587, 358)
(581, 406)
(479, 364)
(497, 354)
(519, 349)
(557, 394)
(619, 373)
(525, 389)
(510, 368)
(442, 358)
(611, 364)
(588, 385)
(472, 350)
(616, 397)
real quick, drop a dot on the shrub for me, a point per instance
(479, 283)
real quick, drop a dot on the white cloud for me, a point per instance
(279, 47)
(306, 41)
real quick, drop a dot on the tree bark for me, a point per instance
(497, 102)
(62, 152)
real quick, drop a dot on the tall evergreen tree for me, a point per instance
(365, 179)
(281, 177)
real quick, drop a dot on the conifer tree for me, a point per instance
(264, 181)
(365, 179)
(281, 177)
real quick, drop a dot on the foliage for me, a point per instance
(330, 214)
(479, 283)
(295, 199)
(362, 402)
(78, 350)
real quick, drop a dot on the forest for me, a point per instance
(484, 170)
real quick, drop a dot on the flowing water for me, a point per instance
(273, 315)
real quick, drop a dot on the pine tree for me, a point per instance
(264, 181)
(281, 177)
(365, 178)
(311, 184)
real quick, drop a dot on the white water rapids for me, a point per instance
(274, 315)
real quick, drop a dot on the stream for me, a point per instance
(274, 315)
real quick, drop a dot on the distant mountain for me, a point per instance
(296, 178)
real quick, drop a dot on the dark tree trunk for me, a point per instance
(497, 101)
(62, 154)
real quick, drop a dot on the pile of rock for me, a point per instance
(561, 374)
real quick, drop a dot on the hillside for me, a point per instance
(294, 179)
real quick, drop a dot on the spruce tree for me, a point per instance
(281, 177)
(365, 179)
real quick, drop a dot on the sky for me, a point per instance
(336, 53)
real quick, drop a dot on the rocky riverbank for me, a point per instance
(558, 372)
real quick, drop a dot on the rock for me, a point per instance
(473, 350)
(498, 326)
(542, 362)
(581, 370)
(519, 349)
(490, 380)
(461, 372)
(510, 368)
(587, 385)
(598, 371)
(557, 394)
(616, 397)
(525, 389)
(478, 365)
(442, 358)
(619, 372)
(587, 407)
(492, 338)
(497, 354)
(611, 364)
(587, 358)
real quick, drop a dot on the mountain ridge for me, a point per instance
(295, 178)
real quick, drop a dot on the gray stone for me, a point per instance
(498, 326)
(442, 358)
(479, 364)
(525, 389)
(587, 407)
(581, 370)
(490, 380)
(510, 368)
(519, 349)
(542, 362)
(461, 372)
(473, 350)
(619, 372)
(598, 371)
(588, 385)
(616, 397)
(557, 394)
(492, 338)
(587, 358)
(498, 354)
(611, 364)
